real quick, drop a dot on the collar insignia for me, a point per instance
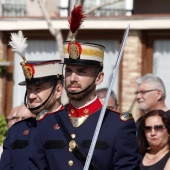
(86, 111)
(72, 111)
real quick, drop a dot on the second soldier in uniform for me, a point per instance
(43, 92)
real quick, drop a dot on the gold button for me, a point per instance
(72, 144)
(73, 136)
(70, 163)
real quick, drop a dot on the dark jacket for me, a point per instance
(116, 147)
(16, 145)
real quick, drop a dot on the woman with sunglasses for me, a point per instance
(154, 141)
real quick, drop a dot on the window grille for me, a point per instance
(13, 8)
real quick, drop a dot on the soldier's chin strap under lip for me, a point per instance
(41, 105)
(75, 93)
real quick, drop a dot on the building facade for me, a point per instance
(147, 48)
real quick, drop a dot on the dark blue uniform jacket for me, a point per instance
(116, 147)
(16, 145)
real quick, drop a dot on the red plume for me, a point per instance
(76, 18)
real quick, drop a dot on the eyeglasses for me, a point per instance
(157, 128)
(145, 91)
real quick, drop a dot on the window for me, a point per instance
(13, 8)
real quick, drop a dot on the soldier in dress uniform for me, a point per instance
(43, 81)
(62, 141)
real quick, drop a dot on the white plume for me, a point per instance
(18, 43)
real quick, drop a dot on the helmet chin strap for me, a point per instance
(75, 93)
(41, 105)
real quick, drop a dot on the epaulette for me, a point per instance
(124, 116)
(45, 113)
(41, 115)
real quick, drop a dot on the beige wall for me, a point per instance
(131, 70)
(33, 8)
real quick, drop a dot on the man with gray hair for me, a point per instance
(151, 94)
(112, 103)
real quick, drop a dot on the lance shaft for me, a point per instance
(102, 113)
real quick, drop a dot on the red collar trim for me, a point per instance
(86, 110)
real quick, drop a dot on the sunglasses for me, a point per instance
(157, 128)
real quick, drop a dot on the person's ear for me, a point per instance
(99, 78)
(58, 90)
(159, 95)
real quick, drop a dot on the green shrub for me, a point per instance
(3, 128)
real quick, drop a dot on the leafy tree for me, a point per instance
(3, 128)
